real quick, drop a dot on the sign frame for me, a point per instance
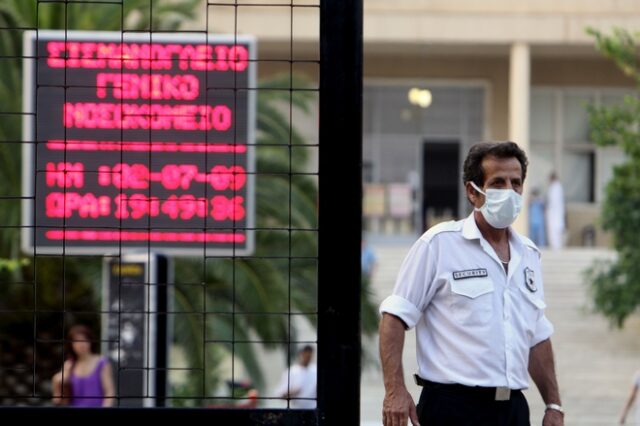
(29, 225)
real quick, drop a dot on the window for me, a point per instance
(560, 141)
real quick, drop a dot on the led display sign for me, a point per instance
(138, 141)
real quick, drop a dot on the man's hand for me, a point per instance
(398, 407)
(553, 418)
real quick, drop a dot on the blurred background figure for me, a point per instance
(631, 399)
(368, 311)
(368, 261)
(536, 218)
(242, 393)
(86, 378)
(555, 213)
(299, 382)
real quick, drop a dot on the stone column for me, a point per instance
(519, 86)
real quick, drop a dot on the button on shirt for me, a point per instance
(475, 323)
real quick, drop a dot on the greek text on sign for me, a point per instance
(138, 141)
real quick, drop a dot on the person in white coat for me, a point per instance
(555, 213)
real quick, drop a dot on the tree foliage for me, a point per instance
(615, 284)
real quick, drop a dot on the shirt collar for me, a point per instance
(470, 231)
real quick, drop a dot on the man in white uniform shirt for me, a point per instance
(473, 290)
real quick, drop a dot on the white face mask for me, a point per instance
(501, 206)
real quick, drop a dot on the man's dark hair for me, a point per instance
(306, 348)
(472, 169)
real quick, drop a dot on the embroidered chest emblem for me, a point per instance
(470, 273)
(529, 280)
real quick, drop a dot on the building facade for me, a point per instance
(443, 74)
(496, 70)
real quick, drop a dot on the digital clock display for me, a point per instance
(138, 141)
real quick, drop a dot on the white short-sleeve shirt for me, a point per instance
(301, 383)
(475, 324)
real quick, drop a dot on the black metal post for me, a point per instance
(340, 212)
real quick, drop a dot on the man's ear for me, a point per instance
(472, 193)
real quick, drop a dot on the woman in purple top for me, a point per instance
(85, 380)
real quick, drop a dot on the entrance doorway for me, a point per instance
(440, 181)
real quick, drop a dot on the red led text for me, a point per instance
(145, 56)
(171, 176)
(65, 204)
(138, 206)
(91, 115)
(147, 86)
(65, 175)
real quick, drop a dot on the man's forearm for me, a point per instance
(398, 405)
(543, 372)
(392, 332)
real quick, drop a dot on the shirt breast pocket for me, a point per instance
(531, 310)
(538, 304)
(472, 300)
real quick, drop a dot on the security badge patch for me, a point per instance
(529, 281)
(470, 273)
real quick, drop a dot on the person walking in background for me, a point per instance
(86, 378)
(536, 218)
(299, 382)
(555, 213)
(368, 261)
(473, 289)
(368, 267)
(631, 400)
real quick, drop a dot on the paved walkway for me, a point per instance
(594, 361)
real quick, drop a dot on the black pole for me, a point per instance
(163, 282)
(340, 181)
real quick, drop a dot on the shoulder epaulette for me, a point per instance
(450, 226)
(530, 244)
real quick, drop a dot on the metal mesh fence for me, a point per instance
(160, 176)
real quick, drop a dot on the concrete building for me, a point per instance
(443, 74)
(519, 70)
